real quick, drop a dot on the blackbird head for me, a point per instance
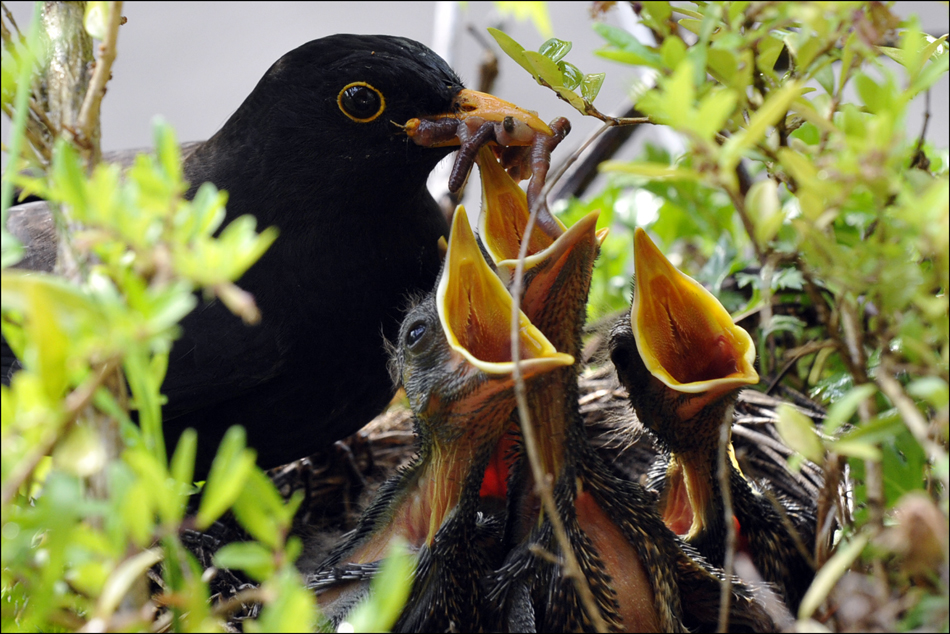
(679, 353)
(454, 348)
(327, 121)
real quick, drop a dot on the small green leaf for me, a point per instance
(765, 210)
(855, 449)
(798, 432)
(555, 49)
(826, 78)
(121, 580)
(932, 389)
(844, 408)
(769, 49)
(571, 76)
(653, 171)
(828, 575)
(260, 509)
(713, 112)
(230, 469)
(774, 108)
(390, 589)
(183, 460)
(293, 608)
(96, 20)
(251, 557)
(544, 68)
(590, 86)
(511, 48)
(628, 44)
(571, 97)
(673, 51)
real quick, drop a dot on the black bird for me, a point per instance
(641, 577)
(683, 360)
(454, 359)
(318, 149)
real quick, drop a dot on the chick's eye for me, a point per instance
(361, 102)
(416, 332)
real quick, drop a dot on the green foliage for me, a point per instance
(548, 69)
(90, 501)
(806, 202)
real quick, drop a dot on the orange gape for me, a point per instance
(678, 512)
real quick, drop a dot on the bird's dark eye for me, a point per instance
(416, 332)
(361, 102)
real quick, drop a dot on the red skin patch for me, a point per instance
(495, 483)
(629, 579)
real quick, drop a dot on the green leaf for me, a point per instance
(229, 471)
(652, 171)
(628, 44)
(293, 608)
(774, 108)
(120, 581)
(544, 68)
(769, 48)
(673, 51)
(828, 575)
(798, 432)
(590, 86)
(183, 460)
(260, 509)
(389, 591)
(571, 97)
(844, 408)
(765, 209)
(555, 49)
(571, 76)
(251, 557)
(861, 450)
(511, 48)
(826, 78)
(932, 389)
(96, 20)
(713, 112)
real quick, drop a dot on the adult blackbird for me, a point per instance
(318, 149)
(683, 359)
(454, 359)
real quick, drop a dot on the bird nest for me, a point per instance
(340, 481)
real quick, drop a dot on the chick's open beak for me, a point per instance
(475, 311)
(686, 338)
(517, 126)
(504, 215)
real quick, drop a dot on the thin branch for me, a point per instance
(802, 351)
(724, 472)
(87, 125)
(542, 483)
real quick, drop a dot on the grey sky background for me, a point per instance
(194, 62)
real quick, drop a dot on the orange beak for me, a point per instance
(475, 311)
(685, 336)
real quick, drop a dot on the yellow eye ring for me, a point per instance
(361, 102)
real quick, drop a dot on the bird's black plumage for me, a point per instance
(359, 231)
(317, 151)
